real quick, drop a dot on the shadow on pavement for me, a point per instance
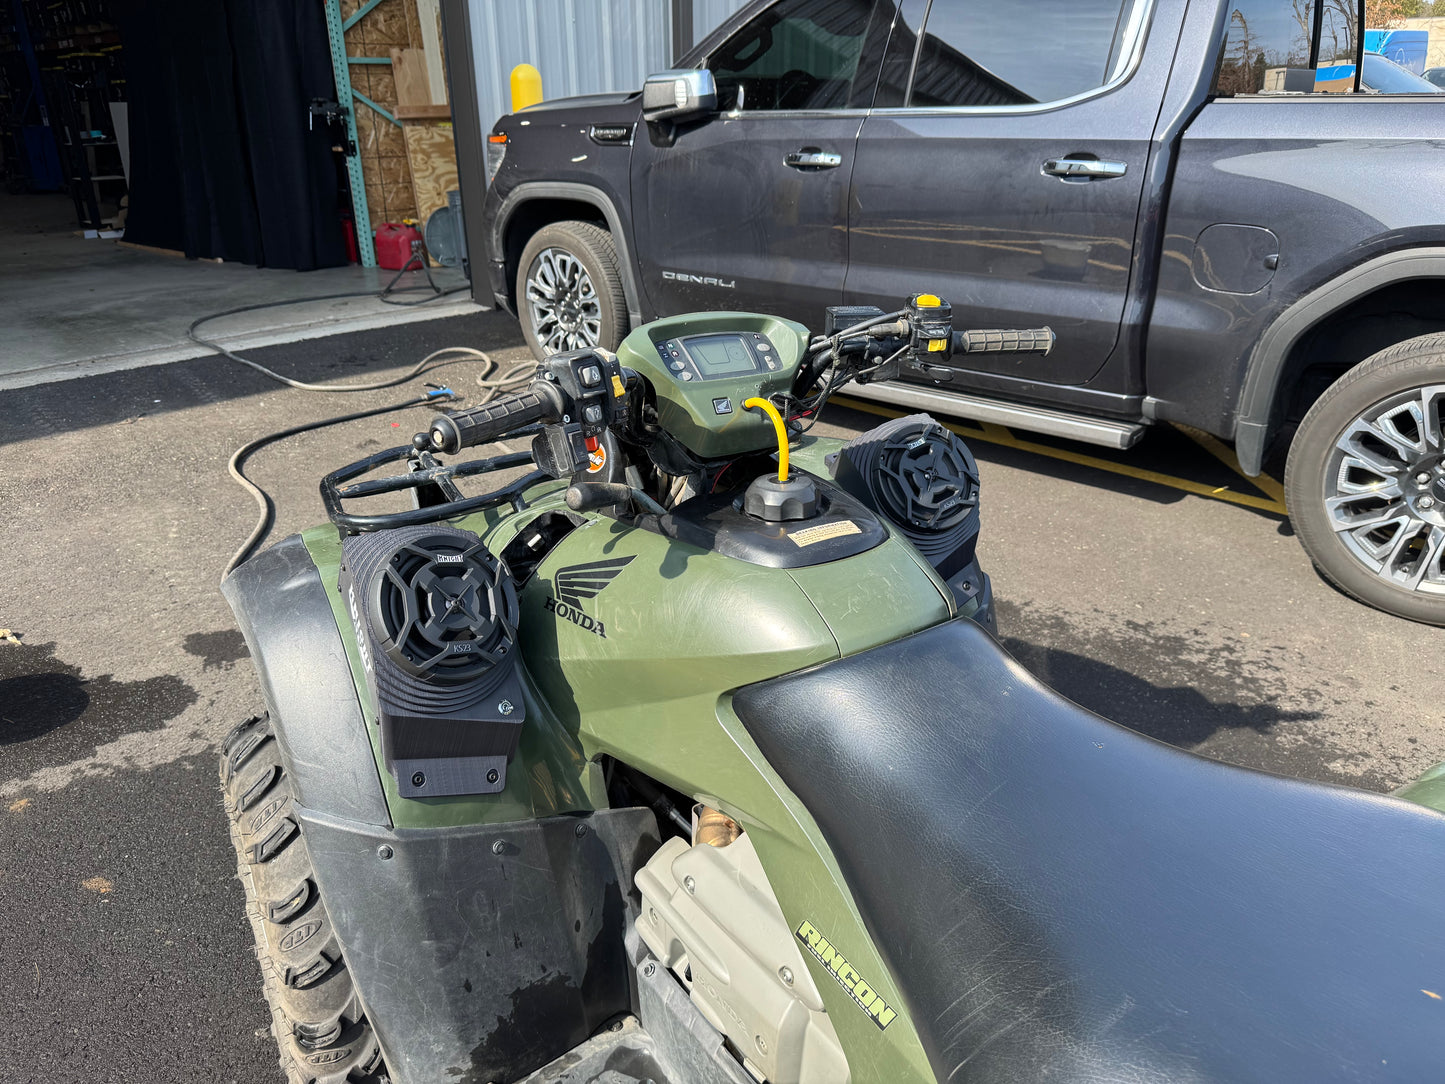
(1198, 691)
(51, 714)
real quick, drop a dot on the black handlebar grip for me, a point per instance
(458, 429)
(1038, 340)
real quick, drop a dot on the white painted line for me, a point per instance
(249, 340)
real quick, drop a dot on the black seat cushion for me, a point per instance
(1061, 899)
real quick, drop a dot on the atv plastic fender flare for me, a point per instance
(1258, 399)
(283, 611)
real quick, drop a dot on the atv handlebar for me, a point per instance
(460, 429)
(1039, 340)
(581, 394)
(543, 402)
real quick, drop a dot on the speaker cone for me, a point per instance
(926, 479)
(437, 614)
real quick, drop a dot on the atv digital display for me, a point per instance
(720, 355)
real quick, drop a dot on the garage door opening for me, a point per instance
(164, 160)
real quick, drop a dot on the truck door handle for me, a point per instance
(1084, 169)
(812, 158)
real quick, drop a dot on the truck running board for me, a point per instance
(1056, 423)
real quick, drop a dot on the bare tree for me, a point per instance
(1339, 23)
(1304, 15)
(1237, 75)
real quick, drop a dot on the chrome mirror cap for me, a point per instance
(680, 93)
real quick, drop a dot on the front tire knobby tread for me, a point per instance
(322, 1034)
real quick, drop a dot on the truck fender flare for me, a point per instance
(582, 193)
(285, 615)
(1267, 360)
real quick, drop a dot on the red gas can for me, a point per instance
(393, 245)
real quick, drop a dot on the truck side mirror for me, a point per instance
(678, 95)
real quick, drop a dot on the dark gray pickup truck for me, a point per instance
(1229, 212)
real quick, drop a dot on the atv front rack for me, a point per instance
(431, 482)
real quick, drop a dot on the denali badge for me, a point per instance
(700, 280)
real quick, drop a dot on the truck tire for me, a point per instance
(316, 1017)
(1365, 481)
(569, 290)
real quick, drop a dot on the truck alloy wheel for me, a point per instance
(569, 290)
(1365, 483)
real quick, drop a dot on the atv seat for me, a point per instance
(1059, 898)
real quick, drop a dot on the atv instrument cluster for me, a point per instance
(704, 366)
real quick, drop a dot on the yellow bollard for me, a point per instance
(526, 87)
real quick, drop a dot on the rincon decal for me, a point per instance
(868, 999)
(576, 583)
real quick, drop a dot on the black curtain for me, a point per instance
(223, 163)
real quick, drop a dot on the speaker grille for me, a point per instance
(440, 609)
(439, 612)
(923, 479)
(927, 480)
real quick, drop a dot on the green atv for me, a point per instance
(685, 755)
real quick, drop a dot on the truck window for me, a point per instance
(980, 53)
(798, 54)
(1293, 47)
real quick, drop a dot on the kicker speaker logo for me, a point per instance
(572, 585)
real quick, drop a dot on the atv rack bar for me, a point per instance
(431, 475)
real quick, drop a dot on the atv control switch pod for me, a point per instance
(435, 616)
(930, 326)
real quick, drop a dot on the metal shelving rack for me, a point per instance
(61, 67)
(336, 28)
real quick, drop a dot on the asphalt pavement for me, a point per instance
(124, 953)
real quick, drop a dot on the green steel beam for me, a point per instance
(364, 100)
(355, 16)
(340, 69)
(368, 60)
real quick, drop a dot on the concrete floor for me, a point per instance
(76, 307)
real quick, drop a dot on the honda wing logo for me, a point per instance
(572, 585)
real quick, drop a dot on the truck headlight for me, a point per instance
(496, 153)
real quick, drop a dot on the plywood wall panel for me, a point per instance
(432, 154)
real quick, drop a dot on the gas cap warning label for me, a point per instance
(858, 989)
(824, 531)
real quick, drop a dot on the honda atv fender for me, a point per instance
(286, 617)
(438, 957)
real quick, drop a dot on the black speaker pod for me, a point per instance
(435, 615)
(923, 479)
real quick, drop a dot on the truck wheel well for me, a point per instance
(1346, 337)
(533, 215)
